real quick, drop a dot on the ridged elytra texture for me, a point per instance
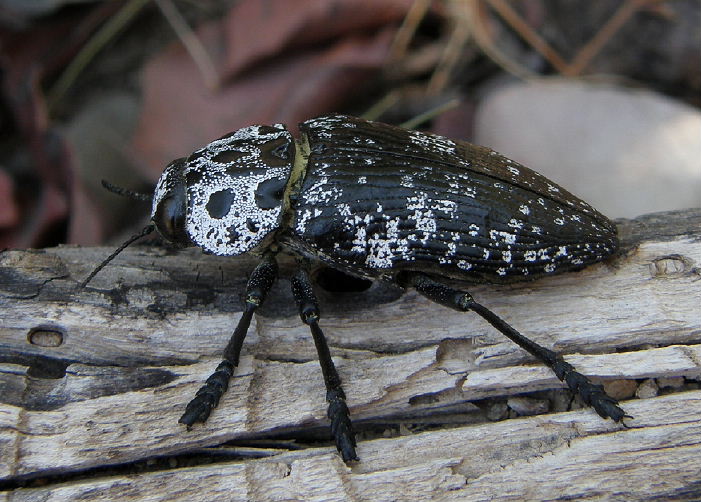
(378, 199)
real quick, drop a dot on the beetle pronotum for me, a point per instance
(378, 202)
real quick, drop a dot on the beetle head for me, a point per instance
(226, 197)
(169, 203)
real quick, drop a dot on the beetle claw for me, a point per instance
(341, 426)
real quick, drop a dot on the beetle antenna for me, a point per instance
(145, 231)
(124, 192)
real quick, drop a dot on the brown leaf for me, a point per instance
(180, 113)
(256, 31)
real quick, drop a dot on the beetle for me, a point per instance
(377, 202)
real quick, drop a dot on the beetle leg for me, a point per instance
(207, 397)
(592, 394)
(341, 426)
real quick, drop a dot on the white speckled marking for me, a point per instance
(231, 234)
(406, 181)
(432, 143)
(464, 264)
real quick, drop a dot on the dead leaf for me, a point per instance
(284, 70)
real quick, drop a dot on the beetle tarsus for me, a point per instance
(338, 413)
(207, 397)
(592, 394)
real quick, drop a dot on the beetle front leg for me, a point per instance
(207, 397)
(341, 426)
(592, 394)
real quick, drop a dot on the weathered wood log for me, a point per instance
(93, 381)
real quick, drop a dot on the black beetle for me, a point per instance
(379, 202)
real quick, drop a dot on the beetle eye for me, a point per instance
(170, 219)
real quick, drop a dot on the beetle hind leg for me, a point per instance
(207, 397)
(341, 426)
(592, 394)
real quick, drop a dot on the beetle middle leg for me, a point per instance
(207, 397)
(341, 426)
(592, 394)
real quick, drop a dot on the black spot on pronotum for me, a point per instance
(219, 203)
(233, 233)
(265, 129)
(269, 193)
(228, 156)
(193, 177)
(196, 156)
(252, 225)
(276, 152)
(282, 151)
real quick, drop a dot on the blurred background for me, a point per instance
(602, 97)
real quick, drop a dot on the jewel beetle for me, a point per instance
(377, 202)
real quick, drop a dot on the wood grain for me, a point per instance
(93, 382)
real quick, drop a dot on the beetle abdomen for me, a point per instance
(377, 199)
